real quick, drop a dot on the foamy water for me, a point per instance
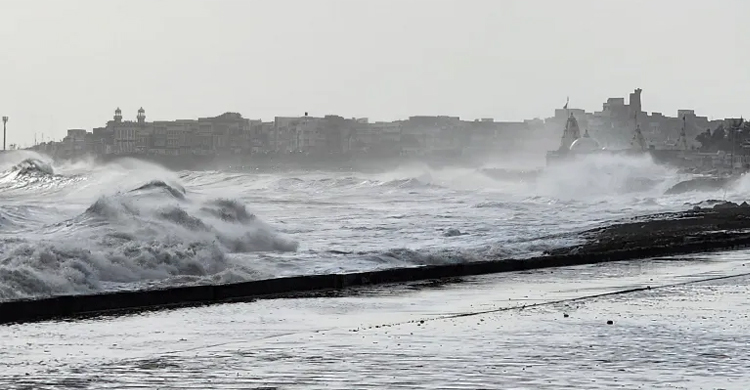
(520, 330)
(76, 228)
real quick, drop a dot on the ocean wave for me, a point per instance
(410, 183)
(31, 166)
(491, 204)
(176, 191)
(123, 239)
(598, 176)
(33, 176)
(130, 225)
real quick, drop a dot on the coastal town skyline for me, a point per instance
(57, 135)
(616, 125)
(385, 60)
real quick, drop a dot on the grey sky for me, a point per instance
(69, 64)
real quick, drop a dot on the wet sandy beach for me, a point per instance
(544, 329)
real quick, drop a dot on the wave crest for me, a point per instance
(173, 190)
(32, 269)
(125, 241)
(229, 210)
(33, 166)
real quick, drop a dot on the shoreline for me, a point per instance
(726, 226)
(364, 162)
(534, 161)
(343, 163)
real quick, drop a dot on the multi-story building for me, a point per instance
(284, 137)
(335, 134)
(483, 137)
(379, 138)
(432, 134)
(309, 134)
(75, 142)
(203, 139)
(261, 137)
(227, 132)
(124, 134)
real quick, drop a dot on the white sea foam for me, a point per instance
(83, 227)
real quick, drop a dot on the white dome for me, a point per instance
(585, 144)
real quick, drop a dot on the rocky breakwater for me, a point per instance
(710, 226)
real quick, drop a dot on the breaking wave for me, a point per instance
(89, 227)
(33, 166)
(605, 175)
(28, 171)
(153, 233)
(175, 191)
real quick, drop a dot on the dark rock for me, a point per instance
(725, 205)
(701, 184)
(452, 233)
(667, 232)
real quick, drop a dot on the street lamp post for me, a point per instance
(5, 120)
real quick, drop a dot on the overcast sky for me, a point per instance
(69, 64)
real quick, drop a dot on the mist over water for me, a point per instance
(69, 228)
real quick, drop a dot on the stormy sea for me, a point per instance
(84, 227)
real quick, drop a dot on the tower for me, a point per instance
(118, 115)
(635, 101)
(141, 116)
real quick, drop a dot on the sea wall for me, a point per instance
(622, 248)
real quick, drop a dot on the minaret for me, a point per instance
(141, 116)
(118, 115)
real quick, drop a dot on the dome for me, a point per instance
(584, 145)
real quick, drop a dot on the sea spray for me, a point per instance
(129, 224)
(135, 237)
